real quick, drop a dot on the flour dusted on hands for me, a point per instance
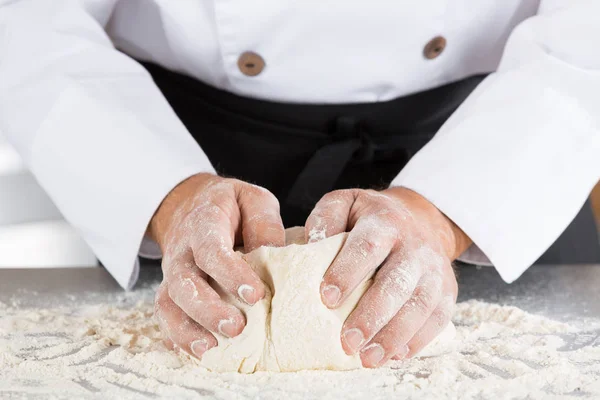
(291, 329)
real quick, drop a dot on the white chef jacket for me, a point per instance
(512, 167)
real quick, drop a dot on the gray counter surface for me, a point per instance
(569, 293)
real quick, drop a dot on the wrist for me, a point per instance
(177, 198)
(461, 240)
(453, 239)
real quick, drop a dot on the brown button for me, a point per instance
(251, 64)
(435, 47)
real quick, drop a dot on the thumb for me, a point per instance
(261, 220)
(330, 215)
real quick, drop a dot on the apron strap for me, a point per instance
(351, 142)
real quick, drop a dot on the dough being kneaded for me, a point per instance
(291, 329)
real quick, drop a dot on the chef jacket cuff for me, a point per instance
(507, 238)
(150, 249)
(108, 160)
(473, 255)
(147, 248)
(507, 242)
(486, 249)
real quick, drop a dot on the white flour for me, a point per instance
(105, 352)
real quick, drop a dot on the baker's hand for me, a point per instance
(196, 227)
(414, 291)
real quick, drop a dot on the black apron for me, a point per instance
(302, 151)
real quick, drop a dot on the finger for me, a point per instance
(368, 245)
(180, 329)
(261, 220)
(189, 290)
(169, 344)
(213, 252)
(436, 323)
(392, 287)
(393, 338)
(330, 215)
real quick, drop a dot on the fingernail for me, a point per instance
(199, 347)
(331, 295)
(373, 354)
(227, 328)
(246, 293)
(403, 352)
(354, 339)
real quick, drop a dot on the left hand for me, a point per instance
(414, 291)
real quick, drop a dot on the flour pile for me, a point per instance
(107, 351)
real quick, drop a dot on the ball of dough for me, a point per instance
(291, 329)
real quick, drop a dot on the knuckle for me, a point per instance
(184, 293)
(440, 319)
(204, 257)
(221, 186)
(173, 272)
(423, 300)
(159, 305)
(400, 281)
(179, 331)
(376, 198)
(177, 270)
(175, 295)
(266, 195)
(433, 282)
(443, 313)
(211, 258)
(368, 245)
(229, 182)
(208, 213)
(379, 225)
(249, 189)
(447, 306)
(337, 197)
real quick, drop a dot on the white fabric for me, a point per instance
(104, 144)
(513, 166)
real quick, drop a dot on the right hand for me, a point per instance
(197, 226)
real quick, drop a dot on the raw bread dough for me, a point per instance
(291, 329)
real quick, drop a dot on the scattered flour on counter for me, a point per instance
(108, 351)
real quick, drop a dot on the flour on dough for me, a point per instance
(291, 329)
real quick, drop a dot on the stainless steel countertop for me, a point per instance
(569, 293)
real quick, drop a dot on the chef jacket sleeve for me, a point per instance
(90, 124)
(515, 163)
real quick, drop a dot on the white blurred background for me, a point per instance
(33, 234)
